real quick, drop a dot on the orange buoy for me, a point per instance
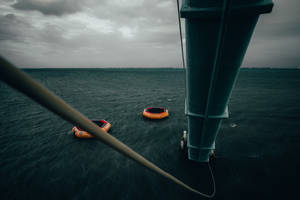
(155, 113)
(78, 132)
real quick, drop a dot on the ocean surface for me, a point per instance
(257, 148)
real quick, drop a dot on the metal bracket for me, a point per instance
(209, 11)
(224, 115)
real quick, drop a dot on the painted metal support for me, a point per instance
(217, 37)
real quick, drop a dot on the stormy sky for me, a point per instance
(127, 33)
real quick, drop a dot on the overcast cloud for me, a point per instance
(126, 33)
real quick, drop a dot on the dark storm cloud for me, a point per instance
(18, 29)
(49, 7)
(154, 20)
(107, 33)
(13, 28)
(148, 13)
(93, 33)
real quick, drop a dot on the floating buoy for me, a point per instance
(155, 113)
(78, 132)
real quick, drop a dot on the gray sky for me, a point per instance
(127, 33)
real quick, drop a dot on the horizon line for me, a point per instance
(175, 68)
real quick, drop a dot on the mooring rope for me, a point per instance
(220, 43)
(25, 84)
(180, 33)
(182, 52)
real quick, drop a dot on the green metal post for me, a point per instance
(215, 46)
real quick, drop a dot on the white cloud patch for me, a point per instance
(84, 23)
(127, 32)
(126, 3)
(165, 4)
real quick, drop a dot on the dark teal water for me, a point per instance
(257, 147)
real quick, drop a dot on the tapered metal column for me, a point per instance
(217, 37)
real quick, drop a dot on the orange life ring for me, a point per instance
(155, 113)
(78, 132)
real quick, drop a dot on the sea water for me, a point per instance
(41, 159)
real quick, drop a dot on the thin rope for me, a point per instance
(25, 84)
(220, 44)
(182, 53)
(180, 31)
